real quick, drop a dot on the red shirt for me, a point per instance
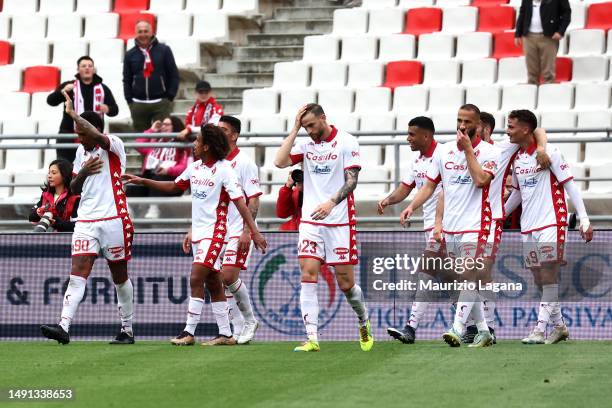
(202, 113)
(288, 205)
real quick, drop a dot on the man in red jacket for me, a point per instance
(289, 202)
(205, 110)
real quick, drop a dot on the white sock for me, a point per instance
(243, 300)
(220, 311)
(355, 298)
(478, 315)
(234, 313)
(550, 297)
(488, 306)
(194, 311)
(309, 304)
(464, 307)
(416, 313)
(125, 300)
(546, 309)
(556, 317)
(72, 298)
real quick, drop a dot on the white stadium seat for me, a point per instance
(397, 47)
(452, 3)
(445, 121)
(558, 119)
(211, 26)
(578, 18)
(64, 27)
(597, 153)
(555, 97)
(589, 69)
(165, 6)
(173, 26)
(268, 124)
(594, 119)
(487, 98)
(456, 20)
(479, 72)
(600, 170)
(68, 52)
(329, 75)
(347, 122)
(50, 7)
(441, 72)
(407, 4)
(523, 96)
(93, 6)
(336, 101)
(374, 4)
(386, 21)
(101, 25)
(436, 46)
(365, 74)
(321, 48)
(445, 99)
(259, 101)
(293, 99)
(359, 48)
(28, 27)
(10, 78)
(201, 6)
(40, 109)
(372, 100)
(569, 151)
(17, 7)
(31, 176)
(241, 7)
(14, 105)
(186, 52)
(28, 53)
(107, 51)
(350, 21)
(472, 46)
(6, 177)
(372, 173)
(609, 42)
(586, 42)
(26, 159)
(291, 75)
(512, 71)
(5, 24)
(410, 98)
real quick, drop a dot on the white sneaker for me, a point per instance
(560, 333)
(248, 332)
(535, 337)
(153, 212)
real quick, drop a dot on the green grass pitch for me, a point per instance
(425, 374)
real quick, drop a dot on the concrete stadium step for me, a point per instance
(248, 80)
(276, 39)
(321, 26)
(293, 13)
(313, 3)
(268, 52)
(248, 66)
(231, 106)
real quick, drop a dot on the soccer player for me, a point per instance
(543, 220)
(213, 185)
(420, 138)
(327, 231)
(235, 252)
(465, 169)
(103, 223)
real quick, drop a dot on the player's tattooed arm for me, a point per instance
(87, 128)
(351, 177)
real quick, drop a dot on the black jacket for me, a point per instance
(555, 14)
(63, 210)
(56, 97)
(163, 82)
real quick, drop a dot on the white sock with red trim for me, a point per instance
(72, 298)
(309, 304)
(417, 311)
(550, 297)
(464, 308)
(488, 307)
(243, 300)
(354, 296)
(478, 315)
(220, 311)
(194, 311)
(234, 313)
(125, 304)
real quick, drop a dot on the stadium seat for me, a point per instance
(563, 70)
(403, 73)
(127, 23)
(10, 78)
(410, 98)
(28, 176)
(504, 46)
(21, 160)
(374, 4)
(347, 121)
(408, 4)
(597, 153)
(372, 173)
(441, 72)
(560, 119)
(488, 3)
(165, 6)
(578, 19)
(173, 26)
(102, 25)
(93, 6)
(329, 75)
(40, 79)
(49, 126)
(589, 69)
(130, 6)
(512, 71)
(592, 96)
(68, 52)
(268, 124)
(293, 99)
(396, 47)
(496, 19)
(487, 98)
(6, 52)
(365, 74)
(5, 24)
(337, 102)
(386, 21)
(40, 109)
(26, 53)
(594, 119)
(423, 20)
(15, 105)
(50, 7)
(474, 46)
(458, 20)
(436, 46)
(200, 6)
(555, 97)
(372, 154)
(107, 51)
(452, 3)
(28, 27)
(350, 21)
(211, 26)
(241, 7)
(19, 7)
(6, 177)
(259, 101)
(514, 96)
(445, 98)
(320, 48)
(373, 100)
(291, 75)
(479, 71)
(609, 42)
(445, 121)
(586, 42)
(600, 16)
(64, 27)
(359, 48)
(600, 170)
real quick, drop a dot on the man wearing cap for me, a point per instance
(205, 110)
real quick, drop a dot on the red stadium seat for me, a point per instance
(6, 52)
(495, 19)
(423, 20)
(488, 3)
(127, 22)
(404, 73)
(599, 15)
(128, 6)
(40, 79)
(563, 71)
(503, 45)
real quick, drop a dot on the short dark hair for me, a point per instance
(94, 118)
(423, 122)
(233, 121)
(85, 58)
(315, 109)
(214, 137)
(470, 107)
(525, 116)
(487, 119)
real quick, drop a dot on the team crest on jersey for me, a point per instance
(489, 165)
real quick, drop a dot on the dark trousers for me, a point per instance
(142, 191)
(144, 114)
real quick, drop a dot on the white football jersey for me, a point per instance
(248, 177)
(416, 176)
(324, 164)
(542, 192)
(507, 153)
(466, 207)
(213, 186)
(103, 196)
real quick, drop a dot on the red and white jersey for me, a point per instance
(507, 151)
(324, 164)
(248, 177)
(213, 186)
(466, 207)
(416, 176)
(542, 192)
(103, 196)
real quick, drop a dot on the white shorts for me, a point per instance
(475, 244)
(208, 253)
(433, 246)
(231, 256)
(330, 245)
(112, 238)
(544, 246)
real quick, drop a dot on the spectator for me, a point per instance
(160, 163)
(205, 110)
(88, 93)
(540, 26)
(150, 78)
(57, 207)
(289, 202)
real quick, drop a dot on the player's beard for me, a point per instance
(471, 132)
